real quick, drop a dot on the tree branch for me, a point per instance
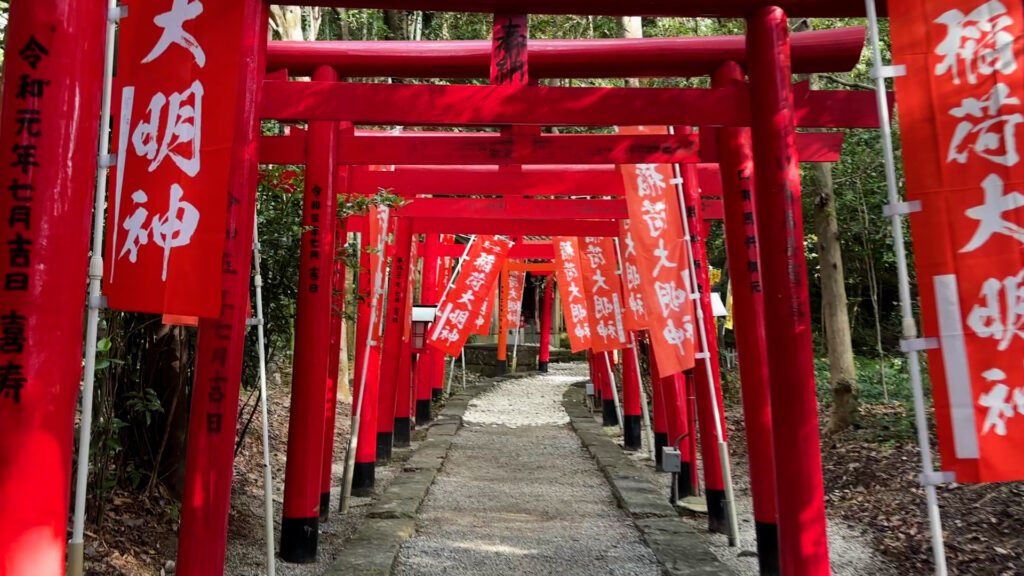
(847, 83)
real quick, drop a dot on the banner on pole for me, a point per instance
(604, 294)
(960, 109)
(662, 260)
(477, 276)
(512, 292)
(174, 131)
(482, 324)
(635, 316)
(570, 286)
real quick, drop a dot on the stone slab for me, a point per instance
(678, 548)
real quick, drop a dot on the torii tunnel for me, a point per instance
(737, 150)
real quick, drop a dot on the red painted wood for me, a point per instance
(519, 251)
(497, 149)
(803, 545)
(469, 149)
(220, 343)
(45, 229)
(508, 226)
(707, 8)
(470, 105)
(737, 173)
(514, 209)
(312, 345)
(836, 50)
(711, 209)
(459, 182)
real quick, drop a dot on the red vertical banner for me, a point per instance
(513, 295)
(479, 271)
(661, 258)
(173, 138)
(482, 324)
(604, 293)
(960, 109)
(635, 314)
(570, 286)
(53, 71)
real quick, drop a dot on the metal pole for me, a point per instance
(353, 441)
(451, 376)
(515, 350)
(906, 304)
(723, 446)
(463, 358)
(268, 484)
(76, 548)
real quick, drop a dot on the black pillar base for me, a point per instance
(684, 480)
(437, 393)
(501, 368)
(362, 479)
(403, 432)
(611, 417)
(298, 539)
(767, 548)
(717, 520)
(423, 414)
(632, 437)
(385, 441)
(660, 441)
(542, 366)
(325, 506)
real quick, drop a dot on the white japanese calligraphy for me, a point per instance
(182, 137)
(990, 214)
(649, 181)
(171, 230)
(993, 136)
(1001, 314)
(999, 403)
(173, 22)
(979, 40)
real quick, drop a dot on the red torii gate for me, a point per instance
(770, 66)
(506, 105)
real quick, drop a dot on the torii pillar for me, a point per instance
(544, 354)
(736, 159)
(803, 545)
(395, 320)
(57, 46)
(302, 492)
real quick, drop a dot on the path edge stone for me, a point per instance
(676, 545)
(373, 549)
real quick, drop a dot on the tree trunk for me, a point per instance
(286, 21)
(631, 27)
(843, 374)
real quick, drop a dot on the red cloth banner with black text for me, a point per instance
(635, 316)
(599, 266)
(960, 109)
(512, 292)
(657, 230)
(174, 131)
(377, 225)
(477, 276)
(570, 286)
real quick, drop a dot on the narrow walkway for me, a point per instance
(519, 495)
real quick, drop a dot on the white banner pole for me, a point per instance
(268, 482)
(76, 547)
(723, 446)
(906, 304)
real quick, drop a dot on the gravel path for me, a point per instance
(518, 495)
